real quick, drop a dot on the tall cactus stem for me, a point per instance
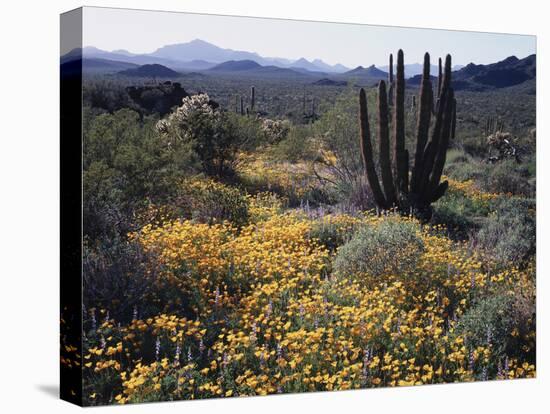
(384, 145)
(366, 152)
(399, 127)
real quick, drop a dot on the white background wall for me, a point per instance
(29, 193)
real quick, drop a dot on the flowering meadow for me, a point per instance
(261, 275)
(259, 310)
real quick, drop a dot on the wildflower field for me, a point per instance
(230, 255)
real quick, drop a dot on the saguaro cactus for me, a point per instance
(424, 188)
(252, 98)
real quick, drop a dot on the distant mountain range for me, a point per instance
(508, 72)
(150, 71)
(200, 58)
(414, 69)
(200, 55)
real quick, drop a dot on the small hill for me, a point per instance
(370, 73)
(236, 66)
(160, 98)
(508, 72)
(303, 63)
(150, 71)
(329, 82)
(94, 66)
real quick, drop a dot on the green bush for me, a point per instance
(296, 146)
(391, 248)
(209, 201)
(463, 170)
(507, 177)
(509, 233)
(460, 214)
(501, 321)
(116, 278)
(331, 234)
(215, 137)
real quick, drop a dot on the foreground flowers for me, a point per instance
(258, 310)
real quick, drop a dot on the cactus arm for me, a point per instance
(366, 152)
(439, 191)
(399, 127)
(440, 75)
(441, 155)
(384, 142)
(446, 107)
(390, 82)
(423, 124)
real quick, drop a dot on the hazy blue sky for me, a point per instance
(350, 44)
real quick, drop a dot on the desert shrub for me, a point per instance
(295, 146)
(456, 155)
(208, 201)
(214, 136)
(333, 231)
(116, 277)
(338, 161)
(507, 177)
(125, 164)
(461, 209)
(501, 321)
(462, 167)
(509, 233)
(391, 248)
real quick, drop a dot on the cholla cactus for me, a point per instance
(275, 130)
(503, 143)
(195, 105)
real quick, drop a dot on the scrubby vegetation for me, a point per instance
(229, 254)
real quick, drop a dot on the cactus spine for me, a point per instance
(425, 186)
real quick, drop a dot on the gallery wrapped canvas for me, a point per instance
(261, 206)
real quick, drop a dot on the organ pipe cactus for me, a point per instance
(415, 193)
(390, 81)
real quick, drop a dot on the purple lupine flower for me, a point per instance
(500, 373)
(189, 355)
(177, 355)
(279, 350)
(506, 367)
(253, 336)
(489, 335)
(201, 346)
(366, 362)
(217, 296)
(135, 313)
(103, 342)
(471, 361)
(157, 348)
(225, 359)
(92, 317)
